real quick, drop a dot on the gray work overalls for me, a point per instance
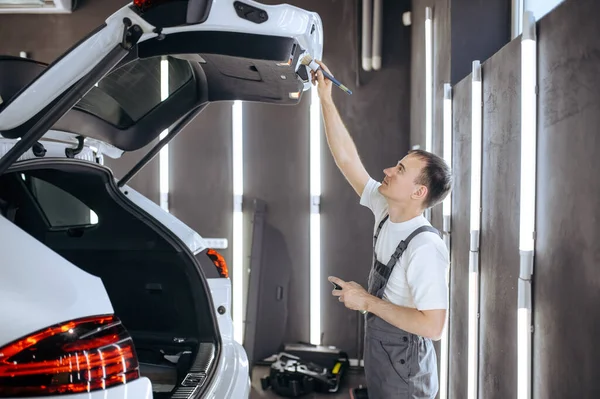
(398, 364)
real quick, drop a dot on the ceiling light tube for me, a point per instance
(473, 325)
(315, 218)
(238, 227)
(527, 202)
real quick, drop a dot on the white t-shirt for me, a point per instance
(419, 279)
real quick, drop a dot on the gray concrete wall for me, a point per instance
(201, 176)
(276, 166)
(480, 28)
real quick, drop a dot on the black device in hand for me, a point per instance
(335, 286)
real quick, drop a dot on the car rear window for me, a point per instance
(128, 93)
(60, 208)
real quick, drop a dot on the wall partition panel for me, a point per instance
(459, 275)
(500, 224)
(566, 281)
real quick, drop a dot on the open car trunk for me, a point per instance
(119, 96)
(156, 285)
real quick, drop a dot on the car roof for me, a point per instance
(125, 108)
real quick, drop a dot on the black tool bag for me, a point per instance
(300, 369)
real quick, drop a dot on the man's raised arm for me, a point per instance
(338, 138)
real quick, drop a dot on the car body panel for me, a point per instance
(39, 283)
(137, 389)
(232, 377)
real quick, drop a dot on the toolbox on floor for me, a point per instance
(299, 369)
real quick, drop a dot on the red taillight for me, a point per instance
(147, 4)
(83, 355)
(219, 262)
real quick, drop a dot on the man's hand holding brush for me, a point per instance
(323, 84)
(318, 67)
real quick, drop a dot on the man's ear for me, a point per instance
(420, 192)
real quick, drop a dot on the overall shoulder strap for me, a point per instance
(385, 218)
(404, 243)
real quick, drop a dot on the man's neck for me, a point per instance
(400, 213)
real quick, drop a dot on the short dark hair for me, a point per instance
(435, 175)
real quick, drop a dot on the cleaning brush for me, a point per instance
(309, 62)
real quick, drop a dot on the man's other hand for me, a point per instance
(352, 294)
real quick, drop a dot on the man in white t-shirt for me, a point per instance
(407, 296)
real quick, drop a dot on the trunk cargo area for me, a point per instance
(154, 282)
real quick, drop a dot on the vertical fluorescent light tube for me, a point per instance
(517, 17)
(428, 80)
(428, 88)
(315, 218)
(238, 232)
(163, 158)
(527, 202)
(447, 125)
(367, 12)
(473, 339)
(377, 34)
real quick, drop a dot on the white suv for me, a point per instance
(102, 293)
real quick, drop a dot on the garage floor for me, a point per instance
(354, 378)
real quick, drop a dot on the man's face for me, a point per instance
(399, 184)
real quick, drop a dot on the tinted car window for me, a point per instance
(60, 208)
(128, 93)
